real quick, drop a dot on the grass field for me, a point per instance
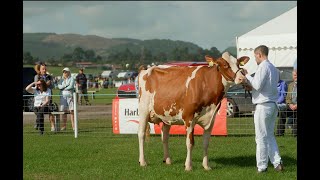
(103, 96)
(97, 153)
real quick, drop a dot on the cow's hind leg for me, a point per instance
(206, 139)
(165, 141)
(143, 121)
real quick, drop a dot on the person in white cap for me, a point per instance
(66, 99)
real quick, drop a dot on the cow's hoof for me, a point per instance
(167, 161)
(188, 168)
(207, 168)
(143, 163)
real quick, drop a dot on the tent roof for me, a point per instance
(283, 24)
(279, 34)
(277, 41)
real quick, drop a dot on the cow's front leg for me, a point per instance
(165, 141)
(190, 144)
(206, 139)
(141, 135)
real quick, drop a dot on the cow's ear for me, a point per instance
(209, 58)
(243, 60)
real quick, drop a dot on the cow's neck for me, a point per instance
(214, 87)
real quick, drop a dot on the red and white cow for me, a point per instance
(185, 96)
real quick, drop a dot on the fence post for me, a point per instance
(75, 111)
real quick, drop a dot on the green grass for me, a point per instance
(97, 153)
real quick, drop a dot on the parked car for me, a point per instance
(28, 77)
(238, 101)
(127, 91)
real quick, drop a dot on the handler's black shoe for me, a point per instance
(36, 127)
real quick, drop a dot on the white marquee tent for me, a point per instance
(279, 34)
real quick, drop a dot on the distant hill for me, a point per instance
(46, 45)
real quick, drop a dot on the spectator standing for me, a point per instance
(66, 99)
(81, 81)
(282, 93)
(282, 106)
(42, 96)
(100, 82)
(291, 110)
(265, 96)
(41, 70)
(111, 82)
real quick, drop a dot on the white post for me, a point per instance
(75, 111)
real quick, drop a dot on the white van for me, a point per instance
(128, 74)
(122, 75)
(106, 74)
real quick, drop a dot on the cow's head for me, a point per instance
(229, 67)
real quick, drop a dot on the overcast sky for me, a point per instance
(205, 23)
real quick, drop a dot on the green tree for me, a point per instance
(89, 54)
(99, 58)
(232, 50)
(161, 57)
(78, 54)
(27, 58)
(175, 54)
(184, 53)
(51, 61)
(214, 52)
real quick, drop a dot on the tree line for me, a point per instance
(129, 56)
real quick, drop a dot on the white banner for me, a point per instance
(128, 116)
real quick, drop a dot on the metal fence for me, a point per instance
(96, 119)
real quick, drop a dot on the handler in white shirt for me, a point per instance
(265, 96)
